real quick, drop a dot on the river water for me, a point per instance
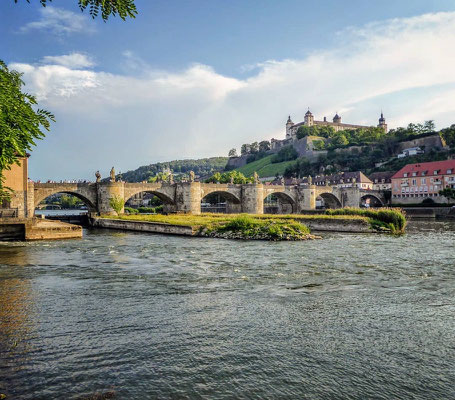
(148, 316)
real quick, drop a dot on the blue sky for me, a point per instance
(195, 78)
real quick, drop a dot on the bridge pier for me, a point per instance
(253, 199)
(105, 191)
(188, 197)
(306, 198)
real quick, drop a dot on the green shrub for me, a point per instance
(286, 153)
(159, 209)
(272, 228)
(146, 210)
(393, 219)
(117, 203)
(131, 210)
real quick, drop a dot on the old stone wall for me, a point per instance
(428, 142)
(141, 226)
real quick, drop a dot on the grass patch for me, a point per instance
(380, 219)
(247, 227)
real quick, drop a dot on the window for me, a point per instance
(449, 171)
(414, 182)
(414, 174)
(405, 174)
(436, 171)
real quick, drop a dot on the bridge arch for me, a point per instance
(40, 196)
(372, 200)
(330, 200)
(285, 203)
(166, 199)
(231, 205)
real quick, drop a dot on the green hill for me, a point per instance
(264, 167)
(201, 167)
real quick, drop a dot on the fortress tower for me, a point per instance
(309, 118)
(289, 125)
(382, 123)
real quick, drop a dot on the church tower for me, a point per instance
(382, 123)
(337, 119)
(289, 125)
(309, 119)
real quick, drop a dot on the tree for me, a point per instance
(245, 149)
(448, 193)
(232, 153)
(339, 140)
(117, 203)
(226, 177)
(107, 8)
(20, 124)
(264, 146)
(429, 126)
(286, 153)
(254, 147)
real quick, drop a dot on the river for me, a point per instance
(148, 316)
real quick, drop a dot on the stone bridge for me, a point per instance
(187, 196)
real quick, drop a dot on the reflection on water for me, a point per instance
(50, 213)
(151, 316)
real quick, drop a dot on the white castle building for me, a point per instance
(291, 128)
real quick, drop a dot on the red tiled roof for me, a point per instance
(427, 167)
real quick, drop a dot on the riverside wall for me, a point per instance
(337, 225)
(37, 229)
(142, 226)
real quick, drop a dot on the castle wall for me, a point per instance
(236, 162)
(428, 142)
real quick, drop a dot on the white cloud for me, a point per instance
(404, 66)
(53, 82)
(59, 21)
(73, 60)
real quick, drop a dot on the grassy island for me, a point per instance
(279, 227)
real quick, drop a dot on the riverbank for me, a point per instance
(37, 229)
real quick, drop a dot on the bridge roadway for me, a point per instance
(187, 196)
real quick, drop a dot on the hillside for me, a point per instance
(201, 167)
(264, 167)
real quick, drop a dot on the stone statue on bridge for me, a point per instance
(191, 176)
(255, 177)
(171, 179)
(281, 181)
(310, 180)
(112, 174)
(98, 176)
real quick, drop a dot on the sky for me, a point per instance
(195, 78)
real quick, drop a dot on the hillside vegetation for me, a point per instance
(201, 167)
(265, 167)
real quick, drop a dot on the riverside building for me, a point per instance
(416, 182)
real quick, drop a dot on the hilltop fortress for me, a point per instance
(336, 124)
(305, 146)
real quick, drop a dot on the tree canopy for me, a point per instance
(20, 123)
(105, 8)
